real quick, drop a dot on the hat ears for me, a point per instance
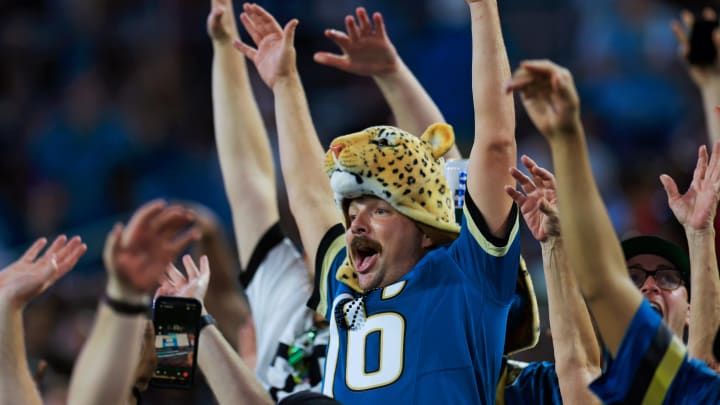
(441, 138)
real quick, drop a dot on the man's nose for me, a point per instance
(358, 226)
(650, 285)
(337, 148)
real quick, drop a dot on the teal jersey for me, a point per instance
(435, 336)
(530, 383)
(652, 367)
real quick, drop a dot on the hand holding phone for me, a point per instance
(701, 47)
(176, 322)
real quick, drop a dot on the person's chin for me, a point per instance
(367, 281)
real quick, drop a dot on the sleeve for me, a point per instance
(330, 256)
(533, 383)
(489, 262)
(272, 237)
(646, 364)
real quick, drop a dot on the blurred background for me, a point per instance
(105, 104)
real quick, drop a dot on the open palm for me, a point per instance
(538, 201)
(367, 50)
(274, 56)
(696, 208)
(30, 275)
(140, 253)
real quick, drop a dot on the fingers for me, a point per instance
(366, 28)
(205, 267)
(379, 24)
(517, 196)
(263, 22)
(520, 80)
(172, 219)
(709, 14)
(351, 28)
(144, 215)
(714, 165)
(525, 182)
(190, 268)
(55, 246)
(289, 32)
(214, 21)
(69, 255)
(177, 245)
(250, 27)
(174, 276)
(248, 51)
(340, 38)
(700, 166)
(332, 60)
(679, 32)
(687, 18)
(670, 187)
(32, 252)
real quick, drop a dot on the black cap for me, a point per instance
(653, 245)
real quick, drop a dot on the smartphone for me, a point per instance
(702, 50)
(176, 323)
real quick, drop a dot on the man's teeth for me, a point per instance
(656, 307)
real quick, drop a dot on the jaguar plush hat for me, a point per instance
(400, 168)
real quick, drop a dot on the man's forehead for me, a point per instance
(649, 261)
(366, 200)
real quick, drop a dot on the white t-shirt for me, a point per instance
(278, 292)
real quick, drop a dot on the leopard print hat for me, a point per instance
(402, 169)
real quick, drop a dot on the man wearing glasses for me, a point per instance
(661, 270)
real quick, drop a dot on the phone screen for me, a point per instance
(702, 49)
(176, 323)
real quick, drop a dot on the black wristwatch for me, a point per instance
(205, 320)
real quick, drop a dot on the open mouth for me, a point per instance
(365, 253)
(657, 308)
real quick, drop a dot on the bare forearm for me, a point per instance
(244, 150)
(711, 99)
(494, 110)
(104, 371)
(230, 379)
(577, 353)
(16, 382)
(494, 150)
(592, 246)
(412, 106)
(301, 157)
(705, 297)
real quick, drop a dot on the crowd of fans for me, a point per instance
(107, 104)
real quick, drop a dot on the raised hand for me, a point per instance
(701, 75)
(33, 273)
(696, 208)
(366, 47)
(194, 286)
(221, 25)
(549, 95)
(139, 253)
(274, 56)
(538, 201)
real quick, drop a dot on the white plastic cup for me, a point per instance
(456, 175)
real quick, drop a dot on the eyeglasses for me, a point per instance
(665, 278)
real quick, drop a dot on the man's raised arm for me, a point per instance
(301, 155)
(494, 150)
(245, 157)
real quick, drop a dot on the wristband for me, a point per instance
(205, 320)
(125, 308)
